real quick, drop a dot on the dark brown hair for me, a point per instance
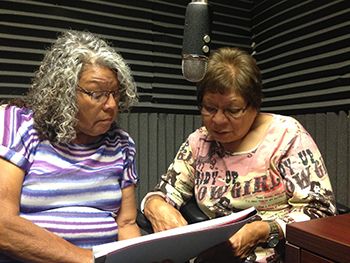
(232, 69)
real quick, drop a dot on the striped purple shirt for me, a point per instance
(71, 190)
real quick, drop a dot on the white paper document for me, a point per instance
(178, 244)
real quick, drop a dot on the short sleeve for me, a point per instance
(129, 152)
(17, 135)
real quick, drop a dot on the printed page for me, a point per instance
(178, 244)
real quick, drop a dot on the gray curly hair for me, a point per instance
(52, 96)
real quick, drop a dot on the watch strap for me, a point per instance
(274, 228)
(273, 238)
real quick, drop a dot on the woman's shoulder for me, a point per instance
(18, 135)
(286, 122)
(198, 134)
(284, 126)
(200, 138)
(14, 108)
(15, 117)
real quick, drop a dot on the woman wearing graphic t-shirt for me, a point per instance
(240, 158)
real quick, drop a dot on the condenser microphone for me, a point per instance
(196, 40)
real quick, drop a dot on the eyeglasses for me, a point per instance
(230, 113)
(100, 96)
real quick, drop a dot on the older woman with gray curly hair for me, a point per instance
(68, 172)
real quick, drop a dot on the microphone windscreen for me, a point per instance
(196, 40)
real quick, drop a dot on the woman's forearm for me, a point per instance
(27, 242)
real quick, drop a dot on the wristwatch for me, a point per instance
(274, 236)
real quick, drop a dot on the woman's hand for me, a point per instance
(162, 215)
(245, 241)
(239, 246)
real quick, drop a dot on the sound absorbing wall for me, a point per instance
(301, 46)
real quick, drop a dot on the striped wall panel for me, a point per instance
(301, 46)
(159, 135)
(147, 33)
(303, 49)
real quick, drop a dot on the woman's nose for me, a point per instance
(111, 101)
(219, 117)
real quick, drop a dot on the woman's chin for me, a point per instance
(221, 136)
(103, 127)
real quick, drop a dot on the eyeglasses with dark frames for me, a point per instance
(230, 113)
(100, 96)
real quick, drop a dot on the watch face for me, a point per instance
(273, 241)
